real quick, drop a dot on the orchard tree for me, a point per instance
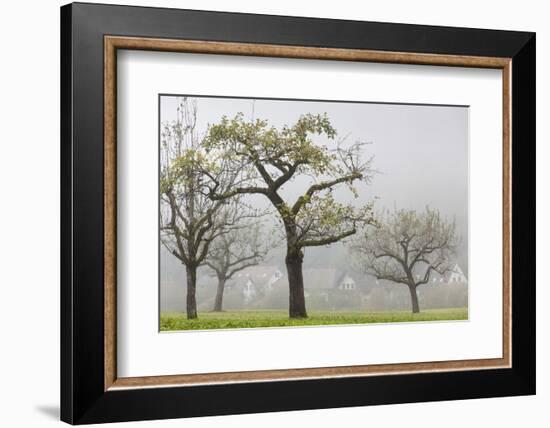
(260, 159)
(189, 220)
(238, 249)
(406, 247)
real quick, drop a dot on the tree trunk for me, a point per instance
(414, 299)
(296, 301)
(219, 295)
(191, 292)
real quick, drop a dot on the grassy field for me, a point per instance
(171, 321)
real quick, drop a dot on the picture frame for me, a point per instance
(91, 35)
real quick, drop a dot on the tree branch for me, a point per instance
(326, 241)
(301, 201)
(238, 269)
(238, 191)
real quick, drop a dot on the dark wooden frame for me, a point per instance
(90, 35)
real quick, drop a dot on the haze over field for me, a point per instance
(420, 155)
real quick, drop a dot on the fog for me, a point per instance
(420, 158)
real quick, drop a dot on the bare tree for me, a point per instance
(189, 220)
(234, 251)
(405, 247)
(261, 159)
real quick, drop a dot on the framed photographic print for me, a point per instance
(265, 213)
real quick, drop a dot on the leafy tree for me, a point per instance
(260, 159)
(405, 247)
(234, 251)
(189, 220)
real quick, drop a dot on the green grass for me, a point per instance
(170, 321)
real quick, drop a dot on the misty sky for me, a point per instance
(420, 152)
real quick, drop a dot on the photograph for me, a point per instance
(292, 212)
(278, 210)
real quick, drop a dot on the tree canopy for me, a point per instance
(261, 159)
(406, 247)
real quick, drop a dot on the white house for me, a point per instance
(274, 278)
(454, 276)
(457, 276)
(249, 291)
(347, 283)
(256, 280)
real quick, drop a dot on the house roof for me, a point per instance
(436, 278)
(319, 278)
(259, 275)
(314, 278)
